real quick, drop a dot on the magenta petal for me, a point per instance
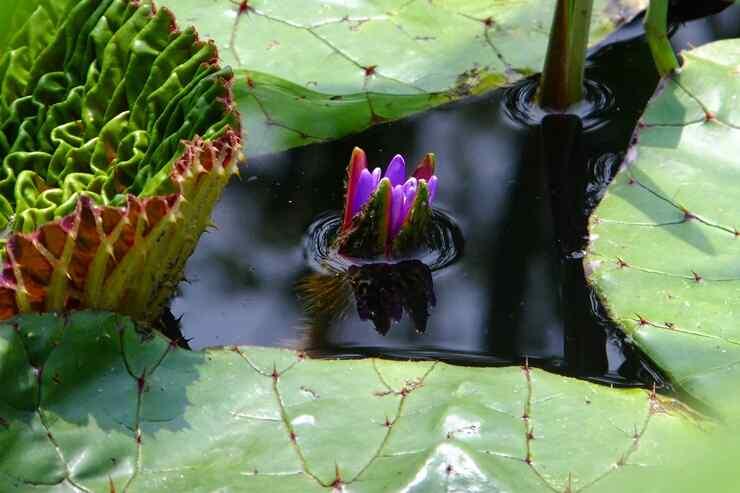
(396, 170)
(425, 169)
(432, 186)
(365, 188)
(357, 163)
(396, 210)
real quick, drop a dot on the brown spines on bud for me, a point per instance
(61, 255)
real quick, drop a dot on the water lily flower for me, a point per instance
(386, 213)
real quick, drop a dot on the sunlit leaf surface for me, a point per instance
(89, 404)
(664, 250)
(310, 71)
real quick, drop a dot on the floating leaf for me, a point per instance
(309, 71)
(664, 250)
(90, 404)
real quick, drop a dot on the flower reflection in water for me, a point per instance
(382, 293)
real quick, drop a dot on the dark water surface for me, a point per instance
(520, 195)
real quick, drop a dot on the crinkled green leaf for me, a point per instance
(118, 132)
(309, 71)
(664, 250)
(89, 403)
(80, 111)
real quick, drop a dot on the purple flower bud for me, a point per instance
(396, 210)
(409, 195)
(409, 185)
(396, 170)
(365, 187)
(376, 176)
(357, 163)
(432, 188)
(398, 197)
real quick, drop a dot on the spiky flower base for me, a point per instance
(125, 259)
(118, 133)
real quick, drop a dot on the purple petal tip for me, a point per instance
(396, 170)
(396, 210)
(365, 188)
(376, 176)
(432, 186)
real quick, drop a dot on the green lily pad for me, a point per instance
(309, 71)
(90, 404)
(665, 252)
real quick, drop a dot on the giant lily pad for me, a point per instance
(90, 404)
(118, 132)
(309, 71)
(665, 247)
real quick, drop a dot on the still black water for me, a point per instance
(520, 194)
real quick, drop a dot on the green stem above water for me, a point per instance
(656, 31)
(561, 84)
